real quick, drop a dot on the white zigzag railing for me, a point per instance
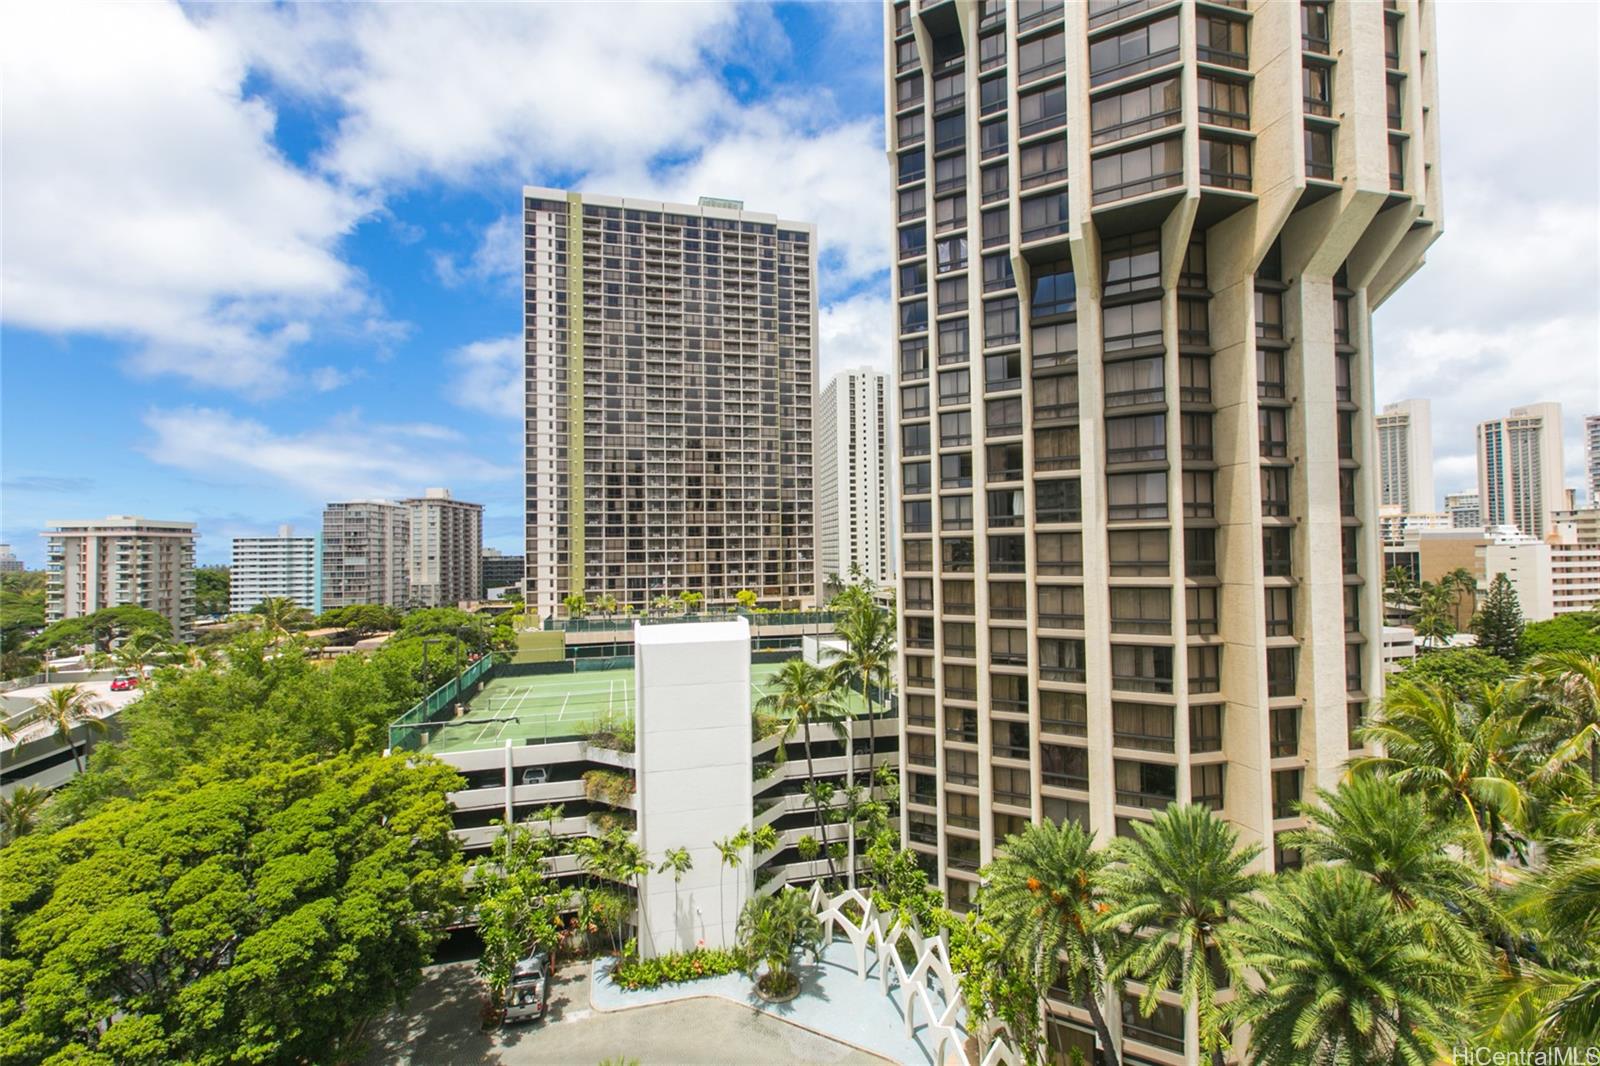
(882, 932)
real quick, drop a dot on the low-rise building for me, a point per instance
(501, 571)
(9, 563)
(1554, 576)
(1464, 510)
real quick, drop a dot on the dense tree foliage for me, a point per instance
(1498, 624)
(252, 911)
(1578, 632)
(21, 614)
(212, 587)
(1461, 670)
(99, 629)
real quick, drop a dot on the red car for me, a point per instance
(123, 684)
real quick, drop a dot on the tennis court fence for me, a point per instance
(406, 731)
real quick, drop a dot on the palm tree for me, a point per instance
(1568, 698)
(1399, 592)
(804, 694)
(137, 650)
(19, 811)
(1044, 895)
(280, 615)
(1434, 620)
(66, 706)
(1458, 752)
(869, 648)
(1345, 975)
(731, 850)
(1174, 886)
(1462, 583)
(1373, 825)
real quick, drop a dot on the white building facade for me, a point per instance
(118, 560)
(445, 550)
(280, 567)
(1405, 457)
(1519, 468)
(853, 477)
(1464, 510)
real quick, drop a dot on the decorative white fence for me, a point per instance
(882, 933)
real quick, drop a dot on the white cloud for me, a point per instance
(348, 458)
(853, 333)
(1507, 309)
(144, 200)
(497, 260)
(489, 376)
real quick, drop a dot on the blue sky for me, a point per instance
(259, 257)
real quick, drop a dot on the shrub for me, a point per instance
(607, 786)
(632, 972)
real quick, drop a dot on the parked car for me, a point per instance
(535, 775)
(530, 988)
(123, 684)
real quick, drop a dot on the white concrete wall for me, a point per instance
(693, 749)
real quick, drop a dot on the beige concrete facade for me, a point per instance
(120, 560)
(1138, 247)
(445, 549)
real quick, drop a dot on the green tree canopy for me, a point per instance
(100, 628)
(362, 619)
(474, 631)
(1578, 632)
(1498, 623)
(213, 586)
(1461, 670)
(254, 912)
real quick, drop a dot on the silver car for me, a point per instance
(530, 988)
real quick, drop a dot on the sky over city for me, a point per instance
(256, 257)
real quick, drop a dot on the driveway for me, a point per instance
(440, 1028)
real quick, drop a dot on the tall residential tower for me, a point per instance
(853, 472)
(119, 560)
(1519, 468)
(267, 568)
(669, 353)
(1591, 459)
(365, 554)
(1405, 457)
(445, 549)
(1138, 247)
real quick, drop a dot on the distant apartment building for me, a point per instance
(1405, 457)
(1582, 523)
(501, 571)
(1464, 510)
(9, 563)
(1591, 459)
(1396, 526)
(119, 560)
(1519, 468)
(669, 352)
(853, 476)
(280, 567)
(1554, 576)
(445, 565)
(365, 553)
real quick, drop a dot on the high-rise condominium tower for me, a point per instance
(1591, 458)
(1463, 509)
(281, 567)
(365, 554)
(445, 549)
(669, 358)
(1519, 468)
(1138, 248)
(853, 475)
(1405, 457)
(120, 560)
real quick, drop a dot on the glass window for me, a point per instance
(914, 278)
(1143, 784)
(949, 172)
(1319, 153)
(1055, 345)
(1138, 552)
(1061, 606)
(1041, 110)
(1134, 381)
(1044, 216)
(1058, 501)
(951, 253)
(950, 213)
(1136, 497)
(918, 478)
(953, 341)
(1042, 163)
(1141, 610)
(1137, 171)
(995, 182)
(1056, 449)
(997, 273)
(1221, 40)
(955, 429)
(1140, 110)
(955, 387)
(952, 294)
(1046, 55)
(1224, 102)
(1131, 264)
(1001, 323)
(993, 138)
(996, 228)
(913, 401)
(1055, 397)
(911, 166)
(1316, 86)
(955, 470)
(1143, 726)
(914, 358)
(912, 203)
(1128, 53)
(1132, 326)
(1059, 554)
(1055, 289)
(1225, 164)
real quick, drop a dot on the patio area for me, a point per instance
(833, 1002)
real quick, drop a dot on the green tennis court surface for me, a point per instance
(549, 707)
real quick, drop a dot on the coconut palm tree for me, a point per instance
(1567, 700)
(1373, 825)
(137, 650)
(65, 707)
(868, 634)
(280, 616)
(1346, 976)
(1460, 752)
(19, 811)
(1173, 887)
(1045, 893)
(802, 695)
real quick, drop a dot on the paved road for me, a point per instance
(440, 1028)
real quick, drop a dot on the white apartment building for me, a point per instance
(280, 567)
(118, 560)
(1396, 526)
(1405, 457)
(1591, 458)
(1464, 510)
(1557, 575)
(365, 554)
(445, 564)
(853, 476)
(1519, 468)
